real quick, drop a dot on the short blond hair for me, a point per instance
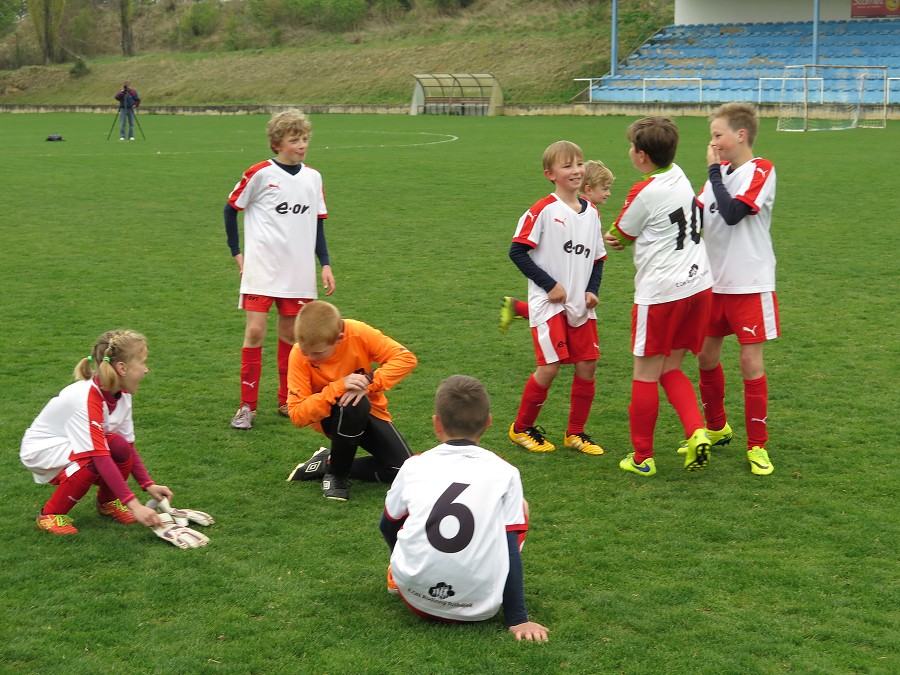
(286, 123)
(738, 116)
(561, 151)
(596, 174)
(318, 324)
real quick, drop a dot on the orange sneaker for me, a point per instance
(56, 524)
(116, 510)
(391, 586)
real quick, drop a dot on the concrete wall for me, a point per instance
(758, 11)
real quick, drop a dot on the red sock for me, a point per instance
(520, 308)
(642, 414)
(533, 398)
(251, 368)
(70, 490)
(681, 395)
(712, 393)
(284, 351)
(756, 411)
(580, 404)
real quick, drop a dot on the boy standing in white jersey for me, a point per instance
(284, 212)
(671, 292)
(558, 246)
(455, 520)
(737, 205)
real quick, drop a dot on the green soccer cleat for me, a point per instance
(759, 461)
(645, 468)
(697, 455)
(719, 438)
(507, 313)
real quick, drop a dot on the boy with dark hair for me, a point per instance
(465, 570)
(672, 296)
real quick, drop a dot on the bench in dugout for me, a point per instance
(456, 94)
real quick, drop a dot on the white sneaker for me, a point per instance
(243, 419)
(131, 139)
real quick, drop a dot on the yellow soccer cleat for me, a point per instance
(583, 443)
(645, 468)
(531, 439)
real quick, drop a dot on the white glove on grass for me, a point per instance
(181, 516)
(178, 535)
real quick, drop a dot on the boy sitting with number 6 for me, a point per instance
(455, 519)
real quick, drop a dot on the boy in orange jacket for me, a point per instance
(335, 387)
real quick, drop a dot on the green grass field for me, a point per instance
(714, 572)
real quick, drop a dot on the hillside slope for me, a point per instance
(534, 47)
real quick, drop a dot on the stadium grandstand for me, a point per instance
(732, 50)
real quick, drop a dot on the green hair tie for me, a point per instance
(106, 358)
(90, 359)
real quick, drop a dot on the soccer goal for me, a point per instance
(827, 98)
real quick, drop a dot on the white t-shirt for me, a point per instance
(451, 559)
(74, 422)
(669, 253)
(741, 255)
(565, 244)
(280, 218)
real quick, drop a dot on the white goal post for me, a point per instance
(827, 98)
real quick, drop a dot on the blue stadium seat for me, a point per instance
(731, 58)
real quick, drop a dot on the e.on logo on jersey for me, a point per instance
(577, 249)
(284, 208)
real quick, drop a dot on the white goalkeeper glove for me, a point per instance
(181, 516)
(178, 535)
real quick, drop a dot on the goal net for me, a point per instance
(825, 98)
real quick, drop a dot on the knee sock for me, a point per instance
(681, 395)
(712, 393)
(520, 308)
(533, 397)
(284, 351)
(756, 411)
(582, 397)
(251, 368)
(642, 414)
(69, 491)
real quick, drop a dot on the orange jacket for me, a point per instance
(313, 389)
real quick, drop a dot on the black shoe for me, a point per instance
(336, 487)
(312, 469)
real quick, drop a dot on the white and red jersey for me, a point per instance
(669, 253)
(451, 559)
(74, 426)
(742, 256)
(281, 212)
(565, 244)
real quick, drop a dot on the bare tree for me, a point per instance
(47, 15)
(125, 12)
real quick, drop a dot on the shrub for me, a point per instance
(79, 68)
(337, 16)
(202, 19)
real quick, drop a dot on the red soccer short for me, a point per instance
(752, 317)
(663, 328)
(262, 303)
(557, 342)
